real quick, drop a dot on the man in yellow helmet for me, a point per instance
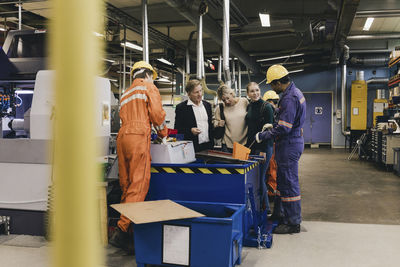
(140, 108)
(289, 144)
(271, 97)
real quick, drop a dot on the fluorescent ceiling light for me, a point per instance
(132, 46)
(274, 58)
(164, 61)
(293, 71)
(109, 60)
(2, 29)
(215, 58)
(98, 34)
(264, 20)
(368, 24)
(24, 92)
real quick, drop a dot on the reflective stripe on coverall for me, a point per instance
(289, 147)
(140, 106)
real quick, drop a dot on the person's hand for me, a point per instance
(260, 136)
(195, 131)
(221, 123)
(267, 126)
(264, 155)
(164, 140)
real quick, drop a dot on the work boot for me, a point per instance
(123, 240)
(287, 229)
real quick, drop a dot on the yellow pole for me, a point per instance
(75, 54)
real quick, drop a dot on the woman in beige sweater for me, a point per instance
(235, 109)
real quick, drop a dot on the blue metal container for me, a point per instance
(222, 183)
(212, 241)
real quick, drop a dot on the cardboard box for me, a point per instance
(173, 152)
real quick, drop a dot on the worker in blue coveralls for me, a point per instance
(289, 142)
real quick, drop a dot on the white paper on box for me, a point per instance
(176, 241)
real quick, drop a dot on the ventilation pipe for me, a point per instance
(220, 69)
(343, 90)
(225, 44)
(378, 80)
(200, 62)
(370, 60)
(145, 32)
(201, 74)
(239, 79)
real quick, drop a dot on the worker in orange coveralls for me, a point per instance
(140, 106)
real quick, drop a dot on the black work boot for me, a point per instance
(287, 229)
(123, 240)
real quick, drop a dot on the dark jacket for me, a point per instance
(185, 121)
(258, 114)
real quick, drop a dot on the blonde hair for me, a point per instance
(224, 90)
(250, 84)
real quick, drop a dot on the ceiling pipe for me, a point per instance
(225, 43)
(145, 32)
(378, 80)
(370, 60)
(200, 62)
(374, 36)
(239, 78)
(213, 29)
(343, 90)
(220, 69)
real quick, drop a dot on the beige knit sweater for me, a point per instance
(235, 124)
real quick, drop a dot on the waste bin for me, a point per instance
(212, 241)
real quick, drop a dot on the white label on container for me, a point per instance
(355, 111)
(378, 107)
(176, 241)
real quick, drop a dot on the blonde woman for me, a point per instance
(234, 109)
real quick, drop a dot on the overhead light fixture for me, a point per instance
(264, 17)
(165, 61)
(109, 60)
(368, 24)
(98, 34)
(293, 71)
(274, 58)
(132, 46)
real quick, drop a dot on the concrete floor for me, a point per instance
(351, 213)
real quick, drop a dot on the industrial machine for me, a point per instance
(359, 103)
(27, 113)
(380, 103)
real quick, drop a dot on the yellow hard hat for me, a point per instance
(143, 65)
(275, 72)
(270, 95)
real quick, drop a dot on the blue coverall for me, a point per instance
(289, 145)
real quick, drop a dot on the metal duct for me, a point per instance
(225, 43)
(239, 79)
(373, 37)
(145, 32)
(220, 69)
(200, 62)
(343, 89)
(370, 60)
(378, 80)
(212, 27)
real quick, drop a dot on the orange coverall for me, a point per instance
(140, 107)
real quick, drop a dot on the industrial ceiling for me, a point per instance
(316, 28)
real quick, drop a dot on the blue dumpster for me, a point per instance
(200, 181)
(212, 241)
